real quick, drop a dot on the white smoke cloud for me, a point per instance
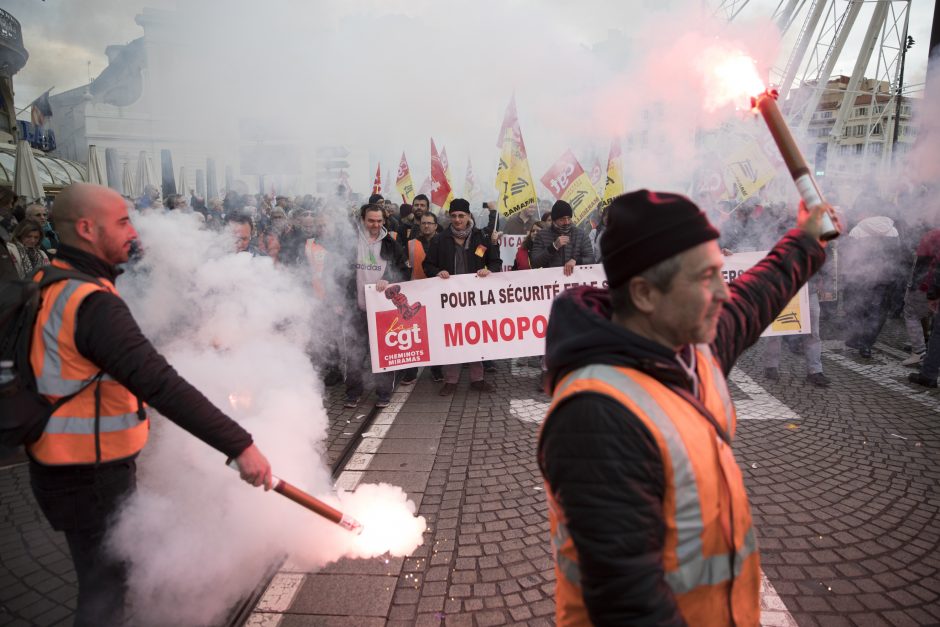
(195, 536)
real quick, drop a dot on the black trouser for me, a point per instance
(410, 374)
(357, 353)
(866, 307)
(81, 502)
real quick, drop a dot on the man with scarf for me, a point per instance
(380, 260)
(564, 245)
(462, 249)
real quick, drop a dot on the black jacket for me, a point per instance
(545, 255)
(600, 460)
(443, 248)
(107, 335)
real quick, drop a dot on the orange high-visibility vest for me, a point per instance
(316, 256)
(416, 254)
(70, 435)
(705, 506)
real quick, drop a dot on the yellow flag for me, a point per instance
(403, 182)
(614, 185)
(568, 181)
(749, 168)
(513, 177)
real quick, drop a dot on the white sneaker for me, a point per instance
(913, 360)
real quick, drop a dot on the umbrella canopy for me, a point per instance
(130, 185)
(96, 174)
(25, 179)
(212, 187)
(168, 183)
(145, 175)
(112, 170)
(182, 185)
(201, 183)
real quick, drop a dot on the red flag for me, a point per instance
(440, 187)
(511, 121)
(377, 183)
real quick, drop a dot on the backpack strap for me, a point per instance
(54, 274)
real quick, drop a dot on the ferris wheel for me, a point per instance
(824, 32)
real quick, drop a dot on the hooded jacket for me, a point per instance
(395, 268)
(597, 456)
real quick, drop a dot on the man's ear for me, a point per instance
(85, 229)
(644, 295)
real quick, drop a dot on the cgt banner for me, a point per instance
(504, 315)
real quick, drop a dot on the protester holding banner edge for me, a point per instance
(462, 249)
(563, 244)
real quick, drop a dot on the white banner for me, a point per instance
(504, 315)
(508, 247)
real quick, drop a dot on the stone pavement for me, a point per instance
(843, 483)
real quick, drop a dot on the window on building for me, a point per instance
(877, 129)
(859, 130)
(859, 148)
(875, 148)
(826, 115)
(861, 111)
(845, 131)
(905, 109)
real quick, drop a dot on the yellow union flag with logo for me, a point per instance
(614, 186)
(750, 169)
(568, 181)
(514, 178)
(403, 182)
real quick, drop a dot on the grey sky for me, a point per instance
(64, 36)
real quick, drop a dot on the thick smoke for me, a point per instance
(196, 537)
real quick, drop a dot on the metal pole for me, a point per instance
(897, 105)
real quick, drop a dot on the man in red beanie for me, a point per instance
(650, 524)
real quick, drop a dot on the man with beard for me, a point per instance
(649, 518)
(462, 249)
(380, 260)
(521, 223)
(563, 245)
(417, 252)
(89, 355)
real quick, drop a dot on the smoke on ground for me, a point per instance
(195, 536)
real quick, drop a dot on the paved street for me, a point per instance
(843, 483)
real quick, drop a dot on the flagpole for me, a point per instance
(34, 101)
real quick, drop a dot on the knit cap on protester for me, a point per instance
(645, 228)
(459, 204)
(561, 209)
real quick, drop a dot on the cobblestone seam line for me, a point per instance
(280, 593)
(884, 374)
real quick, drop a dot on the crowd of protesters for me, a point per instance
(883, 266)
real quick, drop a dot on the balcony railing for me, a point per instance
(10, 29)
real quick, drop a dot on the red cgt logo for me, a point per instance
(402, 341)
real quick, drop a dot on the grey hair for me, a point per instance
(659, 275)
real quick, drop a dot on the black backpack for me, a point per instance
(23, 411)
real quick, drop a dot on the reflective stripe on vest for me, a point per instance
(568, 566)
(721, 384)
(694, 568)
(71, 435)
(86, 426)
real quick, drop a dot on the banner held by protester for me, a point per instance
(502, 316)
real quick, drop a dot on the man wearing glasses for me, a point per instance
(417, 251)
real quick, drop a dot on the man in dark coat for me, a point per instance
(562, 245)
(462, 249)
(667, 302)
